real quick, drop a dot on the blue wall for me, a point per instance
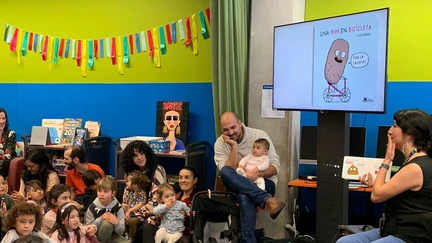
(123, 109)
(400, 95)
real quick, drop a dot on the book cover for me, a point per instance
(80, 135)
(93, 128)
(55, 129)
(355, 167)
(69, 128)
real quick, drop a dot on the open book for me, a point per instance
(354, 167)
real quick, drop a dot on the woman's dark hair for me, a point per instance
(63, 213)
(55, 193)
(7, 120)
(192, 170)
(139, 146)
(418, 124)
(38, 157)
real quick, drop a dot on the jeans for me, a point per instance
(250, 196)
(368, 237)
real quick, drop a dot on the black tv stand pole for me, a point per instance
(332, 190)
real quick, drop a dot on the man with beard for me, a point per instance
(235, 143)
(74, 158)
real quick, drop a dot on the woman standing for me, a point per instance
(7, 144)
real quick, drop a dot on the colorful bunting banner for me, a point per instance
(118, 48)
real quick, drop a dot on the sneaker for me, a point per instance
(275, 206)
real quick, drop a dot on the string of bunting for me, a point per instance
(118, 48)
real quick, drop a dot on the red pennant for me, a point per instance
(113, 51)
(168, 31)
(14, 40)
(208, 14)
(131, 47)
(79, 53)
(189, 32)
(150, 41)
(96, 47)
(45, 48)
(62, 41)
(30, 44)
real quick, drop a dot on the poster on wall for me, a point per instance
(172, 123)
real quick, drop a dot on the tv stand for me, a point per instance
(332, 190)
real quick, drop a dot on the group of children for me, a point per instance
(56, 218)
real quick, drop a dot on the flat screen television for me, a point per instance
(332, 64)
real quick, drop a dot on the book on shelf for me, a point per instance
(93, 128)
(80, 135)
(55, 127)
(69, 129)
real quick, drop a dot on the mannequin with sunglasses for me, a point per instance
(171, 119)
(37, 166)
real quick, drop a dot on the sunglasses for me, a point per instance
(171, 118)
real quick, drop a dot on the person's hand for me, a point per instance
(127, 216)
(228, 140)
(125, 207)
(17, 197)
(91, 230)
(182, 212)
(111, 218)
(390, 152)
(255, 170)
(241, 167)
(3, 209)
(367, 179)
(251, 175)
(169, 204)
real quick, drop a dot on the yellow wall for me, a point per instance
(410, 38)
(91, 19)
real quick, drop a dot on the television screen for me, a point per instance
(332, 64)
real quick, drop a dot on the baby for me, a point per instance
(256, 161)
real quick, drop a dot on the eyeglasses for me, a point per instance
(29, 166)
(172, 118)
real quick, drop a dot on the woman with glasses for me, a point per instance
(37, 166)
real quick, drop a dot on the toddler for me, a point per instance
(59, 194)
(134, 199)
(106, 213)
(7, 201)
(35, 193)
(172, 223)
(22, 220)
(256, 161)
(90, 178)
(67, 227)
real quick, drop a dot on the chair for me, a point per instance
(16, 167)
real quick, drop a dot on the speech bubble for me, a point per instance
(359, 60)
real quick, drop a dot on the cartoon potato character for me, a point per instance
(336, 61)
